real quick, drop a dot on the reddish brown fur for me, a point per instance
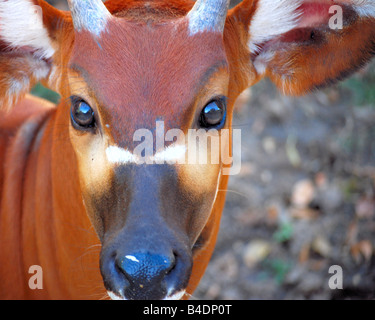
(150, 89)
(51, 240)
(43, 219)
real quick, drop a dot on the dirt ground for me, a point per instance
(304, 199)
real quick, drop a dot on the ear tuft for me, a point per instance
(302, 45)
(21, 26)
(17, 75)
(271, 19)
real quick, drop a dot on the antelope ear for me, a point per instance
(26, 47)
(306, 44)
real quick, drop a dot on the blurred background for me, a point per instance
(304, 199)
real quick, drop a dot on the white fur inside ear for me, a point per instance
(271, 19)
(365, 8)
(21, 25)
(276, 17)
(16, 82)
(261, 61)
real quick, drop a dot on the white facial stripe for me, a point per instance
(119, 155)
(21, 25)
(174, 152)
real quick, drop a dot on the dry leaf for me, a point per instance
(292, 151)
(272, 215)
(352, 233)
(304, 213)
(362, 249)
(303, 193)
(255, 252)
(322, 246)
(304, 254)
(318, 265)
(365, 208)
(320, 180)
(366, 249)
(269, 145)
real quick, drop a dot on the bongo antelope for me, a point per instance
(74, 197)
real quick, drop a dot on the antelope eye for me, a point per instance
(82, 114)
(213, 114)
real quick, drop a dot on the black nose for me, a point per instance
(145, 266)
(145, 273)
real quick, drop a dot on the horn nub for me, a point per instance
(208, 15)
(91, 15)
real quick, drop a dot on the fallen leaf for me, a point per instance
(321, 246)
(303, 193)
(304, 254)
(366, 249)
(269, 145)
(255, 252)
(362, 249)
(318, 265)
(304, 213)
(272, 215)
(352, 233)
(320, 180)
(292, 151)
(365, 208)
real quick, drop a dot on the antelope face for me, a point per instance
(141, 100)
(141, 81)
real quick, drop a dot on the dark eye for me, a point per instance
(213, 114)
(82, 114)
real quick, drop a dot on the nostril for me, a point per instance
(172, 264)
(118, 267)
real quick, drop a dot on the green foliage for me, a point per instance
(284, 233)
(362, 87)
(277, 269)
(42, 92)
